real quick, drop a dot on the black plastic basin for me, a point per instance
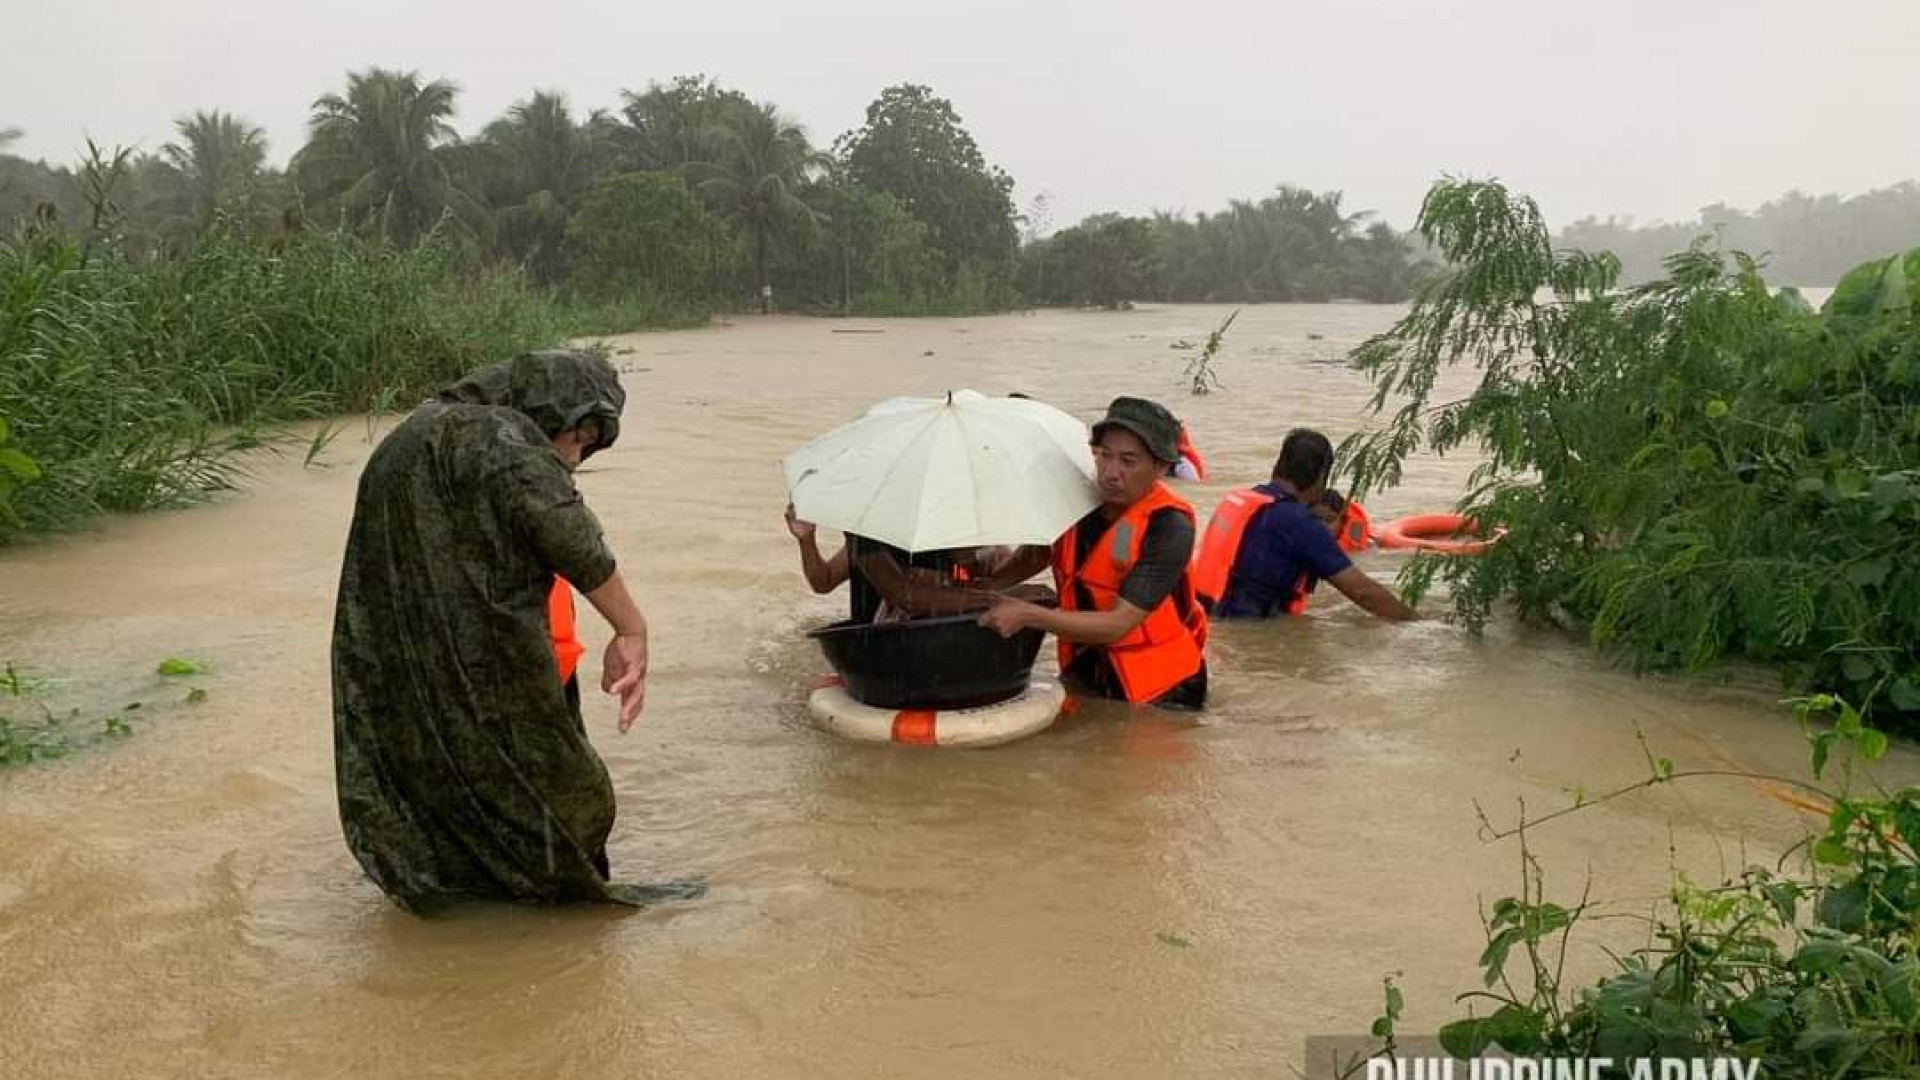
(945, 663)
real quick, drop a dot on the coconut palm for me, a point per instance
(377, 150)
(668, 126)
(219, 157)
(760, 167)
(545, 163)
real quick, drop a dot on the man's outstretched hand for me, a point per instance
(625, 675)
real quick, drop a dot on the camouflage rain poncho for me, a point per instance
(463, 772)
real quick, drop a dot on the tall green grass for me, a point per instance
(132, 383)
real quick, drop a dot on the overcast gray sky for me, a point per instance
(1648, 107)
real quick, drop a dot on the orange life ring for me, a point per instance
(1432, 532)
(1033, 709)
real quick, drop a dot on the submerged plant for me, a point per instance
(1813, 975)
(1199, 372)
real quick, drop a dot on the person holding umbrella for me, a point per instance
(1129, 625)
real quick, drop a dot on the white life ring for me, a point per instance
(989, 725)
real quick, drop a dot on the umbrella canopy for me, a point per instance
(963, 470)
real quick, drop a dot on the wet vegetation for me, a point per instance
(32, 729)
(1810, 971)
(1690, 469)
(161, 311)
(1291, 246)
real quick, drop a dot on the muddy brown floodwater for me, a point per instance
(1117, 897)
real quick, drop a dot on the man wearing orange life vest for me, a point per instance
(1129, 626)
(1264, 547)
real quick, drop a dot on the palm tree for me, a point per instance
(548, 163)
(761, 164)
(669, 126)
(546, 150)
(377, 150)
(220, 158)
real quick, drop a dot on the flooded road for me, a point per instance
(1115, 898)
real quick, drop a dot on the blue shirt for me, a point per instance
(1284, 547)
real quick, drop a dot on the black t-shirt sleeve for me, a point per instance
(1164, 555)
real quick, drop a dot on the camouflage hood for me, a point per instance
(558, 389)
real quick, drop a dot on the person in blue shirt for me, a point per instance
(1286, 549)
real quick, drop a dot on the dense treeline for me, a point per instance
(1804, 239)
(160, 311)
(1293, 245)
(689, 197)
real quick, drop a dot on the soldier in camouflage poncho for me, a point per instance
(463, 771)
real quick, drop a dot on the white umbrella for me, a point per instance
(964, 470)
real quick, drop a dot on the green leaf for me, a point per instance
(1174, 941)
(1849, 482)
(1893, 296)
(1857, 290)
(1755, 1016)
(1664, 767)
(1700, 459)
(1906, 818)
(1873, 744)
(1506, 912)
(1810, 485)
(1870, 574)
(1821, 955)
(1840, 818)
(1676, 1021)
(5, 430)
(1890, 489)
(1493, 960)
(1716, 409)
(1785, 898)
(1512, 1028)
(174, 666)
(196, 696)
(1382, 1027)
(18, 464)
(1465, 1038)
(1905, 694)
(1832, 851)
(1822, 748)
(1857, 667)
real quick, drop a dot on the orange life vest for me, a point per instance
(1165, 649)
(1356, 529)
(1185, 446)
(1213, 557)
(567, 649)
